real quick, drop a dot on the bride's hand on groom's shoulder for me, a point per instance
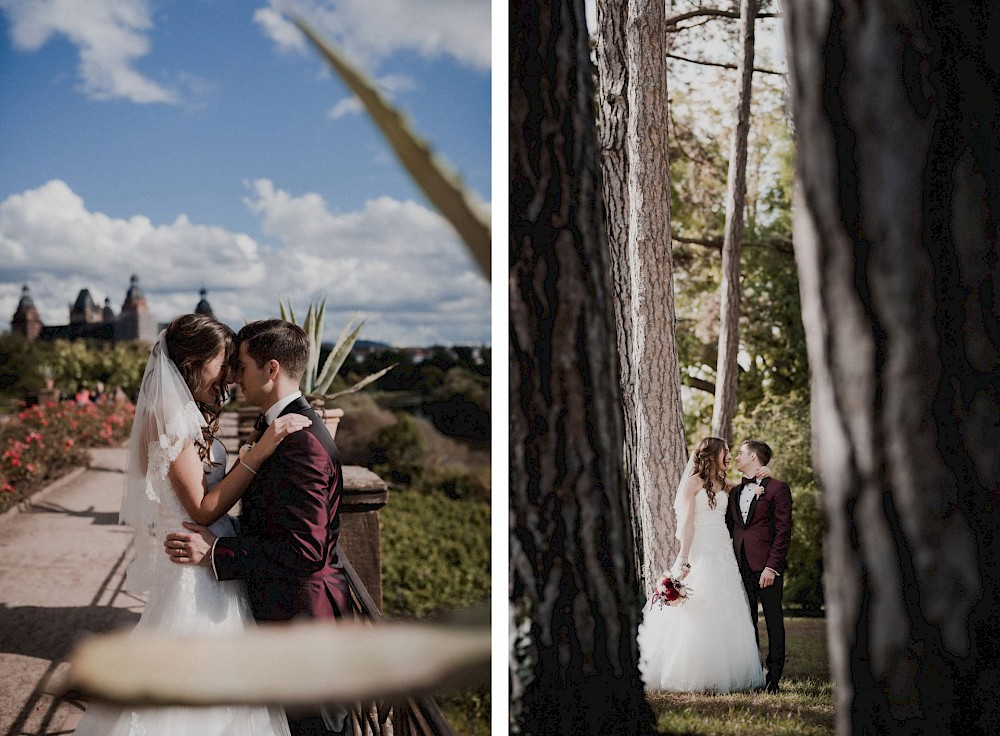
(282, 427)
(762, 472)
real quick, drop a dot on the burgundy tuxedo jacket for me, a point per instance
(286, 550)
(765, 536)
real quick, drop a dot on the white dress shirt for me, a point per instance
(747, 495)
(279, 406)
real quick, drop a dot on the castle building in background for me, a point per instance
(87, 321)
(203, 306)
(26, 320)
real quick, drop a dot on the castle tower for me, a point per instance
(136, 322)
(84, 311)
(109, 313)
(203, 306)
(26, 320)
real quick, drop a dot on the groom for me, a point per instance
(287, 548)
(759, 517)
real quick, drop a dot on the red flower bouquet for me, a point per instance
(671, 592)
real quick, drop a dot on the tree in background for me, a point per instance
(574, 617)
(727, 368)
(896, 229)
(772, 391)
(70, 364)
(636, 181)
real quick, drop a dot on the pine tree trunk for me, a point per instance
(897, 216)
(574, 601)
(727, 369)
(613, 70)
(635, 167)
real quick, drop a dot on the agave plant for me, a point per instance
(315, 385)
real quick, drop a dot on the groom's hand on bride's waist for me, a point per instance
(192, 548)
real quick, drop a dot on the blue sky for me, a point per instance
(203, 144)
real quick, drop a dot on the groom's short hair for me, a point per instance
(276, 339)
(760, 449)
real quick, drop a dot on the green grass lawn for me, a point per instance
(804, 707)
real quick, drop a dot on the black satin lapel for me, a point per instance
(737, 514)
(753, 507)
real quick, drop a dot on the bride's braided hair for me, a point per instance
(706, 466)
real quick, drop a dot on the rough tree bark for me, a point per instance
(574, 613)
(636, 184)
(897, 217)
(727, 369)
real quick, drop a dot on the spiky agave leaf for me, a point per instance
(356, 387)
(313, 327)
(289, 314)
(441, 186)
(337, 356)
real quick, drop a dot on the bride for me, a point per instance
(176, 472)
(708, 643)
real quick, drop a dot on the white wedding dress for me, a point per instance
(187, 600)
(707, 644)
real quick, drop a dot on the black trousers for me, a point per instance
(770, 600)
(312, 725)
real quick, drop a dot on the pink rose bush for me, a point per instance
(43, 442)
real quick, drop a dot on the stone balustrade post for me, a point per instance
(360, 533)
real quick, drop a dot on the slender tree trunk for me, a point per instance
(728, 369)
(574, 609)
(633, 72)
(897, 217)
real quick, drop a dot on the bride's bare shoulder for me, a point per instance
(692, 485)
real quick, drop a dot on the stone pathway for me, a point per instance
(62, 565)
(62, 569)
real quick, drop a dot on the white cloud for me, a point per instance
(370, 30)
(52, 242)
(346, 106)
(392, 83)
(388, 85)
(279, 29)
(109, 34)
(396, 262)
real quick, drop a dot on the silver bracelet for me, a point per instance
(254, 472)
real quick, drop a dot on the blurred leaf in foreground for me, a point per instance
(441, 186)
(305, 663)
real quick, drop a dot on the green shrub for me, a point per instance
(457, 482)
(363, 420)
(435, 553)
(468, 712)
(398, 450)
